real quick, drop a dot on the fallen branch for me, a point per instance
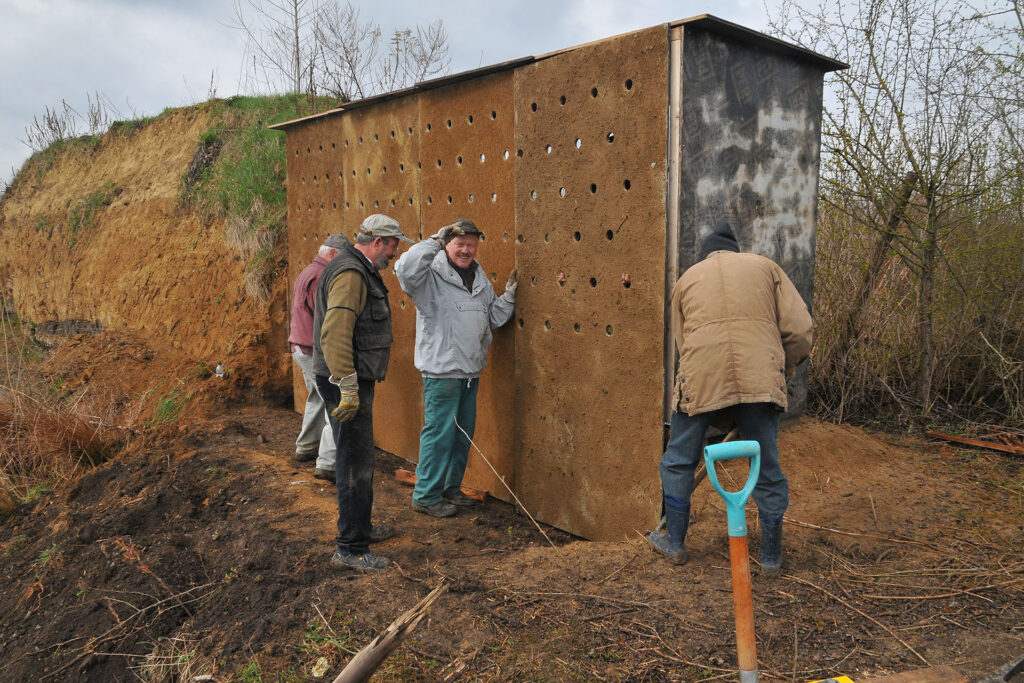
(366, 661)
(862, 613)
(1005, 448)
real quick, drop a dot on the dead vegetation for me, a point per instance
(47, 437)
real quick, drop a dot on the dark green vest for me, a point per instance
(371, 342)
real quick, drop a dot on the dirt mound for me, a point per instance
(98, 233)
(206, 542)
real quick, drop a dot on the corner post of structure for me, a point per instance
(674, 157)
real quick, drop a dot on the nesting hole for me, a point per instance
(458, 160)
(629, 84)
(608, 330)
(576, 328)
(593, 188)
(561, 100)
(547, 324)
(593, 282)
(577, 236)
(470, 119)
(626, 184)
(593, 92)
(610, 235)
(494, 115)
(520, 322)
(533, 106)
(448, 123)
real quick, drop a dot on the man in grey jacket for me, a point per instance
(456, 308)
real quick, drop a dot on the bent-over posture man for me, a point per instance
(456, 308)
(741, 329)
(351, 347)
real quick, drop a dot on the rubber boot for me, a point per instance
(670, 542)
(770, 553)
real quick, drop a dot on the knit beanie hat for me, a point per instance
(721, 238)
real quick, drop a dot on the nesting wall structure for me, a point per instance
(595, 171)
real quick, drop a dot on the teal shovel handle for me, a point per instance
(734, 500)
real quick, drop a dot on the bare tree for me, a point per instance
(323, 47)
(280, 42)
(920, 102)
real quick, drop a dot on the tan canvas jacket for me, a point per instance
(741, 328)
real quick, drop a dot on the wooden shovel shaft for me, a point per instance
(743, 603)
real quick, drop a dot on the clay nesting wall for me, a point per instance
(570, 163)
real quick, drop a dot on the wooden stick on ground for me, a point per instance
(1005, 448)
(366, 661)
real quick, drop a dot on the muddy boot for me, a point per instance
(770, 553)
(670, 542)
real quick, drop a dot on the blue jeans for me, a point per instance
(354, 466)
(757, 422)
(444, 449)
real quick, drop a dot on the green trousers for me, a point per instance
(444, 449)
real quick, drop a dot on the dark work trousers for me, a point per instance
(757, 422)
(354, 468)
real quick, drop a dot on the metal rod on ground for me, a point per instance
(502, 480)
(366, 661)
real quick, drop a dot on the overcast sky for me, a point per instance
(146, 55)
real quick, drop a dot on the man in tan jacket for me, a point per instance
(741, 328)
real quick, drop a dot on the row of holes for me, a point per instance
(376, 137)
(626, 185)
(578, 143)
(576, 327)
(594, 92)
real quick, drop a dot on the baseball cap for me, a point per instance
(379, 225)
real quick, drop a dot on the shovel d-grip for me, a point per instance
(735, 501)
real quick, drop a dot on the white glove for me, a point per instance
(513, 283)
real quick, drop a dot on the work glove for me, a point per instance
(348, 406)
(446, 233)
(513, 283)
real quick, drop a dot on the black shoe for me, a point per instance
(457, 497)
(326, 475)
(305, 456)
(367, 562)
(381, 532)
(438, 509)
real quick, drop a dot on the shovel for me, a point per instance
(735, 501)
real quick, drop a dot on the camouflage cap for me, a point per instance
(467, 227)
(379, 225)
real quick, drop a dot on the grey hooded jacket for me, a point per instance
(453, 325)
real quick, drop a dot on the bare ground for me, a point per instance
(203, 547)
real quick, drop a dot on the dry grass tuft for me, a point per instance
(46, 439)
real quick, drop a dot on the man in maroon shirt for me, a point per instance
(315, 438)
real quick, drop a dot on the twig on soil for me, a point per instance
(503, 483)
(891, 539)
(635, 555)
(951, 594)
(862, 613)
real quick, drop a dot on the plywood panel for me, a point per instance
(750, 148)
(466, 153)
(381, 146)
(590, 231)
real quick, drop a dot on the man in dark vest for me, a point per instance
(351, 346)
